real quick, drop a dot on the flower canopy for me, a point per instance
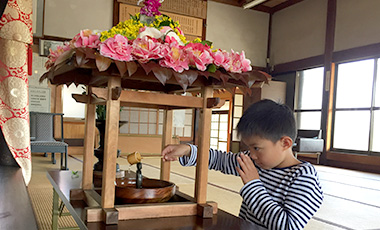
(157, 45)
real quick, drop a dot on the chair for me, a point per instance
(309, 142)
(42, 136)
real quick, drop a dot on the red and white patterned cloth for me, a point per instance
(15, 40)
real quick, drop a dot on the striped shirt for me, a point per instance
(283, 198)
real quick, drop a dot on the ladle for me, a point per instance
(136, 157)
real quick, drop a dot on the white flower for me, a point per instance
(151, 32)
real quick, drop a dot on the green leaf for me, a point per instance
(165, 23)
(211, 68)
(206, 42)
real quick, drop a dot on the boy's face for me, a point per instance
(267, 154)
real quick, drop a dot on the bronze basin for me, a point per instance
(152, 191)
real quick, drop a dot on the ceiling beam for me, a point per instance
(284, 5)
(229, 2)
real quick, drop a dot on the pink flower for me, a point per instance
(146, 48)
(116, 48)
(86, 39)
(239, 63)
(222, 59)
(199, 55)
(175, 57)
(55, 54)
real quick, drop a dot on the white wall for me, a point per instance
(230, 27)
(299, 31)
(65, 18)
(357, 23)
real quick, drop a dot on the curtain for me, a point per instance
(15, 48)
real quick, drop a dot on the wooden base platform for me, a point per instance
(63, 182)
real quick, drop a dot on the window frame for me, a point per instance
(371, 109)
(297, 111)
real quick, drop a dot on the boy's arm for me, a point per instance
(218, 160)
(302, 201)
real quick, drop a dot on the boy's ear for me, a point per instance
(286, 142)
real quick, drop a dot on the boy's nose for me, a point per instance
(253, 156)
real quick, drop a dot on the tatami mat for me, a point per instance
(352, 198)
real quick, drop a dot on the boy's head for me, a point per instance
(268, 120)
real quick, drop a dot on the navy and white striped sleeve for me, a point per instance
(218, 160)
(302, 200)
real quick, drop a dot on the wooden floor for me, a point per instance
(351, 198)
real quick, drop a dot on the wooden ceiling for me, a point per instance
(268, 6)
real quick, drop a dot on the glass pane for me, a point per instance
(351, 130)
(124, 128)
(222, 135)
(134, 128)
(124, 115)
(223, 126)
(143, 129)
(161, 117)
(214, 126)
(377, 95)
(236, 121)
(187, 132)
(376, 132)
(224, 118)
(214, 133)
(160, 127)
(215, 117)
(179, 131)
(310, 89)
(235, 137)
(144, 116)
(214, 141)
(223, 146)
(134, 116)
(152, 129)
(239, 99)
(354, 86)
(238, 111)
(153, 117)
(188, 119)
(308, 120)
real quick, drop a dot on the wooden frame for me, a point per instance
(103, 208)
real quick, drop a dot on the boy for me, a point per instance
(279, 192)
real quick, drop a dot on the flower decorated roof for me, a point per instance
(150, 52)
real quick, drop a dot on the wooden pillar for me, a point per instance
(329, 75)
(89, 136)
(166, 139)
(57, 108)
(203, 148)
(110, 145)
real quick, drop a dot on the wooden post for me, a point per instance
(89, 136)
(203, 148)
(166, 139)
(110, 145)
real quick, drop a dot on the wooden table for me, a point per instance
(16, 210)
(64, 181)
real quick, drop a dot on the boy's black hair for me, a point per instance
(267, 119)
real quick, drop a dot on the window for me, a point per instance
(141, 121)
(237, 113)
(357, 107)
(147, 121)
(219, 128)
(308, 99)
